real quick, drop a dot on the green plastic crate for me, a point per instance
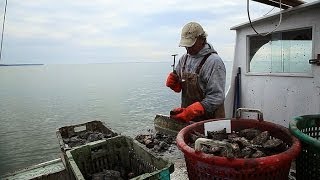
(119, 151)
(307, 130)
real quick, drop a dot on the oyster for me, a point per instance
(249, 133)
(218, 135)
(261, 138)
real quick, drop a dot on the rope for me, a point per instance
(269, 11)
(264, 34)
(4, 19)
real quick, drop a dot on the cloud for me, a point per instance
(94, 30)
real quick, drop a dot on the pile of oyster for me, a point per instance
(156, 141)
(248, 143)
(119, 174)
(85, 137)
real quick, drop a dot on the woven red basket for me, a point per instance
(206, 166)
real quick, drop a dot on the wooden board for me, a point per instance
(285, 4)
(165, 124)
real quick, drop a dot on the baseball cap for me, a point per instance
(190, 33)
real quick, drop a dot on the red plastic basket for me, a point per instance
(206, 166)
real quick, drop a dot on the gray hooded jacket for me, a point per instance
(212, 76)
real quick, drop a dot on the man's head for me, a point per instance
(193, 37)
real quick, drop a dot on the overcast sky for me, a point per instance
(103, 31)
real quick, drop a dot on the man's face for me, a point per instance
(198, 45)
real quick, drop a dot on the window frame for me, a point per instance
(288, 74)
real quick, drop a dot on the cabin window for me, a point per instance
(281, 52)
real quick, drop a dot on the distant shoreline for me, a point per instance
(21, 64)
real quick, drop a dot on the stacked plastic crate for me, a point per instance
(103, 153)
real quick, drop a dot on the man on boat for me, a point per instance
(201, 76)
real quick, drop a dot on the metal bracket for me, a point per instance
(258, 111)
(315, 61)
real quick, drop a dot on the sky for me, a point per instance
(108, 31)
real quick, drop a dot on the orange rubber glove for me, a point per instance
(173, 82)
(189, 113)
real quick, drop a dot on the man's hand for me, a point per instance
(189, 113)
(176, 111)
(173, 82)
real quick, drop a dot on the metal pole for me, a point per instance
(4, 19)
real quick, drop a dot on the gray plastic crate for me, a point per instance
(67, 132)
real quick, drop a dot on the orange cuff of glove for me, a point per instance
(173, 82)
(191, 112)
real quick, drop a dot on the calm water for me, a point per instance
(36, 100)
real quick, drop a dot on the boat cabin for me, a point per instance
(276, 66)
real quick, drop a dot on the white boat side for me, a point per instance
(280, 96)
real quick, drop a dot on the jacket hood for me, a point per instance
(204, 51)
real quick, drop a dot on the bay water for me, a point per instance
(37, 100)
